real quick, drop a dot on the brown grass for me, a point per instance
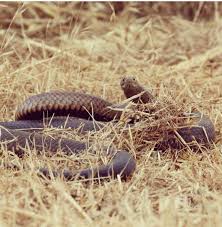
(88, 47)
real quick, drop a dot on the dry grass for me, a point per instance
(88, 47)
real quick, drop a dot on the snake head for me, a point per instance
(127, 82)
(131, 87)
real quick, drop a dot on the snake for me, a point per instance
(75, 109)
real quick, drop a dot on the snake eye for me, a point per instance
(122, 82)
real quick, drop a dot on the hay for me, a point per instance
(172, 48)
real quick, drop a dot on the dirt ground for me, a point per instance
(174, 49)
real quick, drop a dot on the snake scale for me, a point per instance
(36, 110)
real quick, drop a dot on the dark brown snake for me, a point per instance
(80, 108)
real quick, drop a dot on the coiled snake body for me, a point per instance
(73, 104)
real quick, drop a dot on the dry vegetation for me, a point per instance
(175, 49)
